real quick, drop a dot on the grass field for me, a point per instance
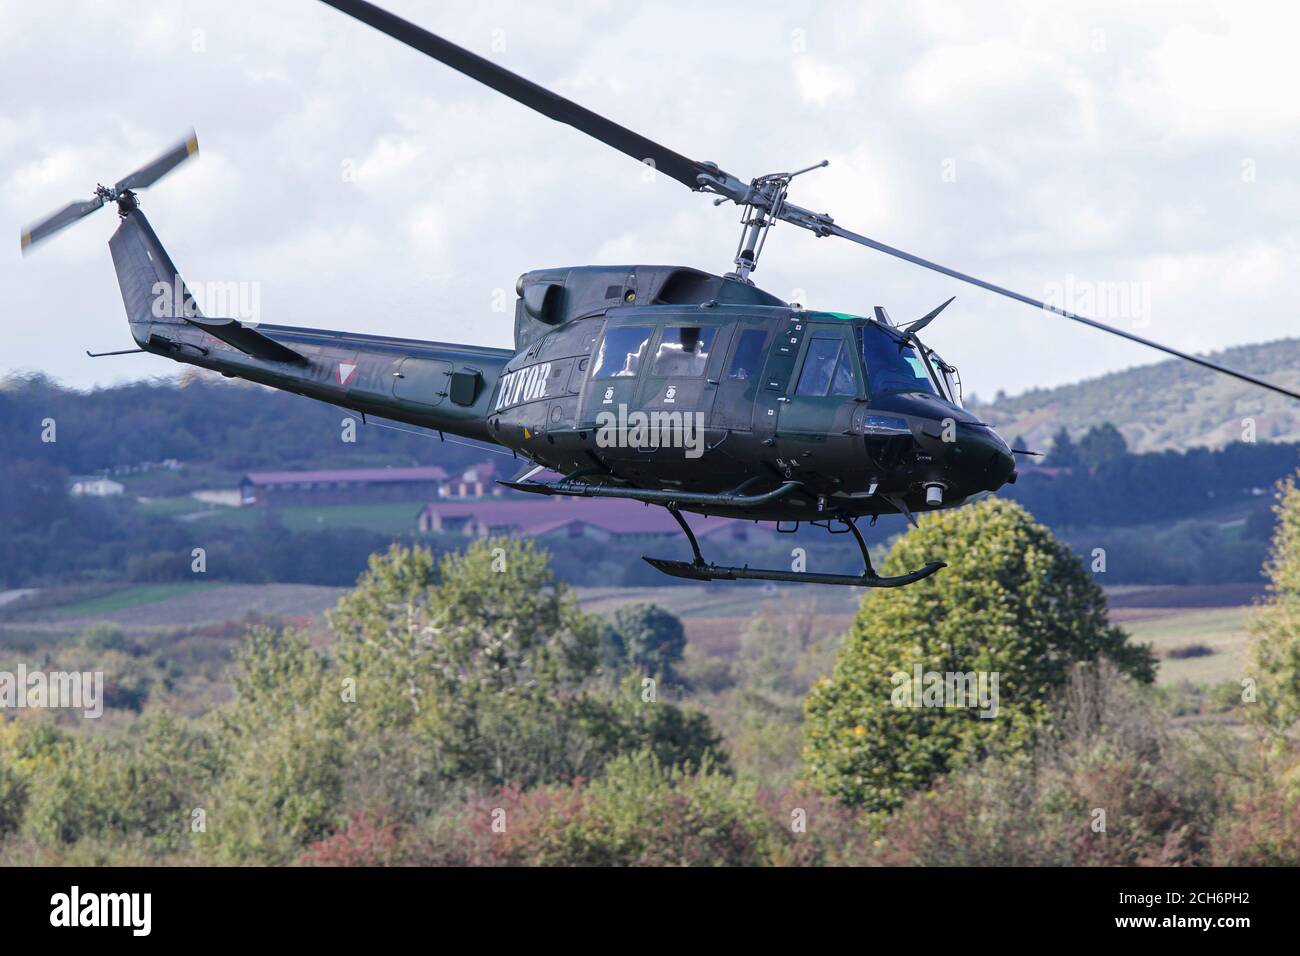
(1222, 630)
(726, 600)
(394, 518)
(141, 595)
(175, 507)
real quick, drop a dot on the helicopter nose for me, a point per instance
(985, 458)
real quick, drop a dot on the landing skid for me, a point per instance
(698, 570)
(714, 572)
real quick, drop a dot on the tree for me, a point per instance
(1063, 453)
(648, 638)
(481, 673)
(1014, 604)
(281, 746)
(1275, 650)
(1100, 444)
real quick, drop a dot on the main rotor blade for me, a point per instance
(160, 167)
(53, 223)
(665, 160)
(831, 229)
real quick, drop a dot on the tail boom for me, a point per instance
(435, 385)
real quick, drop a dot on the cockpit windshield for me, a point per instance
(891, 365)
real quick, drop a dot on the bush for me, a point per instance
(140, 785)
(1107, 787)
(640, 813)
(1263, 829)
(280, 744)
(364, 842)
(1014, 604)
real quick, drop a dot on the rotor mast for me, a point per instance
(763, 206)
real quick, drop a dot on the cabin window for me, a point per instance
(827, 368)
(621, 352)
(749, 356)
(683, 351)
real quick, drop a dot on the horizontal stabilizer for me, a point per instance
(246, 339)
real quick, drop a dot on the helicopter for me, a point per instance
(696, 392)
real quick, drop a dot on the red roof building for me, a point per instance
(341, 486)
(600, 519)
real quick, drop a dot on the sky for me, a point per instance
(1135, 162)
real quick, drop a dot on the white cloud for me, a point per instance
(1104, 142)
(1231, 79)
(819, 81)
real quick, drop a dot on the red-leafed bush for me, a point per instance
(1262, 830)
(363, 842)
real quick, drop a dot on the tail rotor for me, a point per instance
(122, 192)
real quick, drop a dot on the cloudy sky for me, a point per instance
(1133, 161)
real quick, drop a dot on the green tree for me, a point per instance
(648, 638)
(1101, 443)
(1063, 453)
(1275, 649)
(1013, 603)
(281, 746)
(481, 673)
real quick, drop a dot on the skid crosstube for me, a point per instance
(713, 572)
(697, 570)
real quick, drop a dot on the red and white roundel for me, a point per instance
(345, 372)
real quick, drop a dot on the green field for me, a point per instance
(394, 518)
(1223, 630)
(174, 507)
(726, 600)
(131, 597)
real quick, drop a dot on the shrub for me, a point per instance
(640, 813)
(1013, 603)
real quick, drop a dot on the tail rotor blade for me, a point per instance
(149, 174)
(53, 223)
(122, 193)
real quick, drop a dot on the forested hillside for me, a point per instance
(1169, 405)
(210, 425)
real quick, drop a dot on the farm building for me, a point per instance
(96, 487)
(346, 486)
(593, 520)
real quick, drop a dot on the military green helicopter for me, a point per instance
(696, 392)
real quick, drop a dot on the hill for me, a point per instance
(1169, 405)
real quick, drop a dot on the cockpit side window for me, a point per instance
(827, 367)
(946, 376)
